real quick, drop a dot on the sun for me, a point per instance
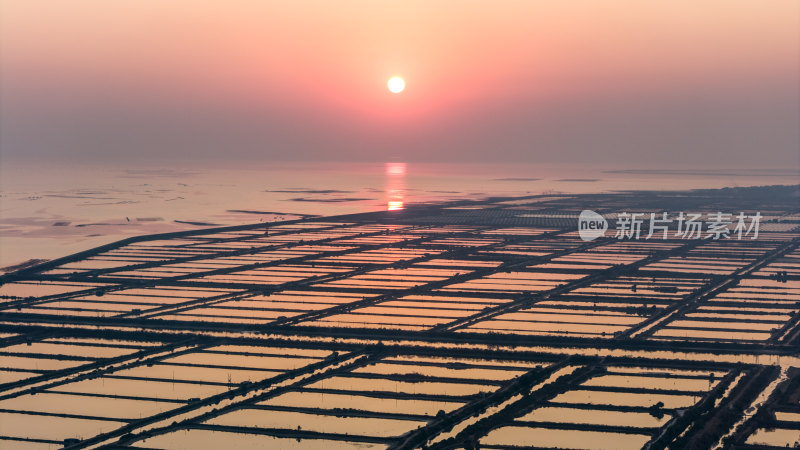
(396, 84)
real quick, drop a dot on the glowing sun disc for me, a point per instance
(396, 84)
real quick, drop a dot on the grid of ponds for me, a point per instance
(776, 423)
(213, 393)
(329, 333)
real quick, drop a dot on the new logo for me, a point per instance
(591, 225)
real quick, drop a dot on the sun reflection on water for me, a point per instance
(395, 186)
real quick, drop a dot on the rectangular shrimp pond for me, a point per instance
(484, 324)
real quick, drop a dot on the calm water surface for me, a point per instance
(48, 211)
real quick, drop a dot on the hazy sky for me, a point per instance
(632, 82)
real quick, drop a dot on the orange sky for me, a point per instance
(279, 79)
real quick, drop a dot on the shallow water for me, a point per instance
(778, 437)
(573, 439)
(425, 387)
(50, 427)
(59, 403)
(366, 426)
(374, 404)
(141, 388)
(205, 439)
(626, 399)
(597, 417)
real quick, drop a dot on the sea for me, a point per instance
(49, 210)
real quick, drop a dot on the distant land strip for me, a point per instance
(275, 213)
(712, 173)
